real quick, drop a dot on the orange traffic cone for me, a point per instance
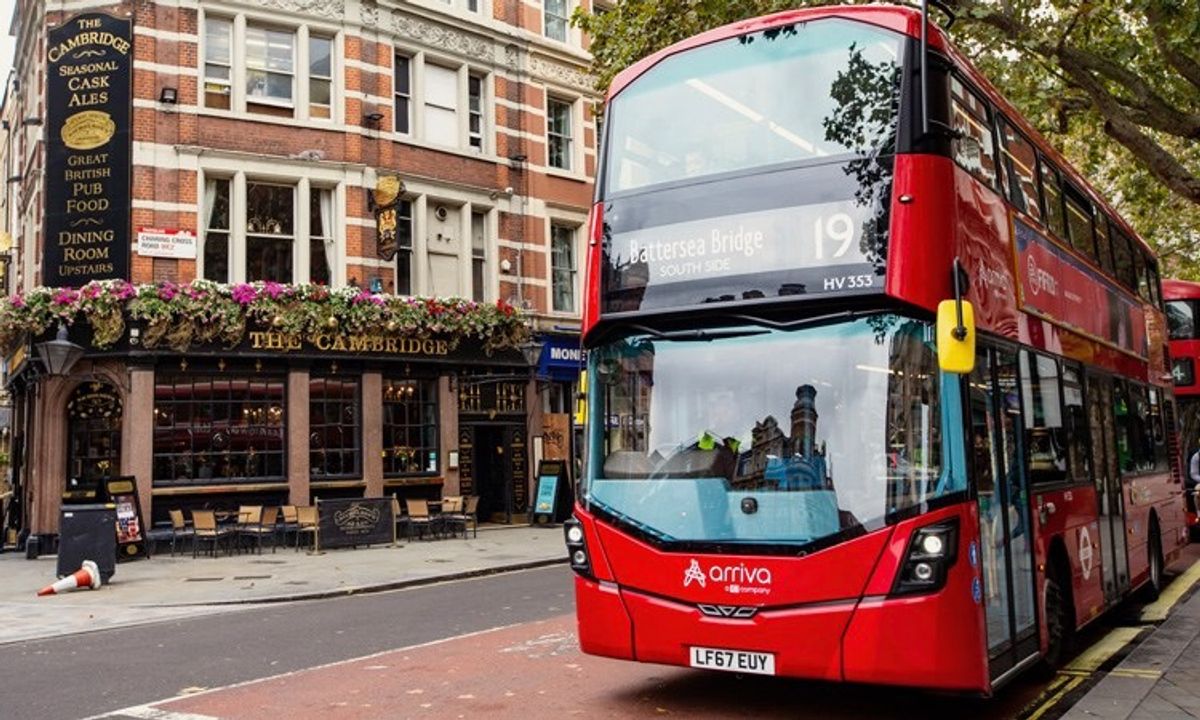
(87, 576)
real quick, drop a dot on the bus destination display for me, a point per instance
(804, 250)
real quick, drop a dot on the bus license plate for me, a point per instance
(742, 661)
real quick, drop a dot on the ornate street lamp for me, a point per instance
(532, 350)
(60, 354)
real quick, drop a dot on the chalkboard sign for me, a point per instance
(355, 521)
(131, 536)
(551, 473)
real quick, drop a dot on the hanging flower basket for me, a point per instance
(180, 316)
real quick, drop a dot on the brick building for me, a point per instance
(261, 134)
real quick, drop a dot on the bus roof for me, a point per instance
(1180, 290)
(900, 19)
(905, 20)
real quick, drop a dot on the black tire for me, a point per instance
(1060, 622)
(1154, 585)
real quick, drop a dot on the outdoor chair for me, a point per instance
(419, 520)
(451, 516)
(400, 519)
(205, 529)
(179, 528)
(306, 524)
(249, 518)
(466, 514)
(290, 522)
(264, 529)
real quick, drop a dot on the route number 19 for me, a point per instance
(839, 228)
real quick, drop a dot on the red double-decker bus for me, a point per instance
(1183, 327)
(801, 459)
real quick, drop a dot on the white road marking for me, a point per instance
(148, 707)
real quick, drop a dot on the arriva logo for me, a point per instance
(1040, 281)
(738, 578)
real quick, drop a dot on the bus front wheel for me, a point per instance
(1154, 547)
(1059, 623)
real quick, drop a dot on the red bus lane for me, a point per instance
(536, 671)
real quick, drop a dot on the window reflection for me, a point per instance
(226, 428)
(840, 429)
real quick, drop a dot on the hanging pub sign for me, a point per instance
(385, 200)
(88, 151)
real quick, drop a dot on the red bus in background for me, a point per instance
(790, 467)
(1183, 327)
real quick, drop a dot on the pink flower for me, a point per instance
(167, 291)
(91, 291)
(244, 294)
(124, 290)
(66, 296)
(17, 300)
(273, 289)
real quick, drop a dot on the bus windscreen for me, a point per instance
(705, 442)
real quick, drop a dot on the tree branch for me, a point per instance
(1118, 125)
(1155, 112)
(1181, 62)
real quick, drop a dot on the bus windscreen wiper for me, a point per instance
(696, 335)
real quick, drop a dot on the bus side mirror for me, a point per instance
(955, 342)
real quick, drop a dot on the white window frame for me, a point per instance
(267, 29)
(575, 226)
(573, 154)
(302, 186)
(239, 99)
(409, 122)
(310, 77)
(228, 63)
(417, 62)
(422, 200)
(568, 34)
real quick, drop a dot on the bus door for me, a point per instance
(1004, 525)
(1106, 406)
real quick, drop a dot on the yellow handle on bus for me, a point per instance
(955, 343)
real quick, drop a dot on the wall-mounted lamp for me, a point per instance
(373, 119)
(168, 95)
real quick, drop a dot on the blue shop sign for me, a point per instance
(562, 359)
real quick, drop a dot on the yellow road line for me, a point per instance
(1157, 610)
(1091, 659)
(1053, 699)
(1136, 673)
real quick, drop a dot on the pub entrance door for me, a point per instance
(498, 468)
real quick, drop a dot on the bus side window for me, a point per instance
(1079, 222)
(1045, 439)
(1103, 246)
(1019, 163)
(1155, 285)
(1052, 200)
(1076, 422)
(1143, 275)
(972, 147)
(1123, 257)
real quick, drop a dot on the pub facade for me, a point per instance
(306, 248)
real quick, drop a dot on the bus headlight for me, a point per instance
(931, 553)
(577, 547)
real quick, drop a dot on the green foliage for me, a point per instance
(205, 313)
(1113, 84)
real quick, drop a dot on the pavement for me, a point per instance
(1158, 680)
(169, 587)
